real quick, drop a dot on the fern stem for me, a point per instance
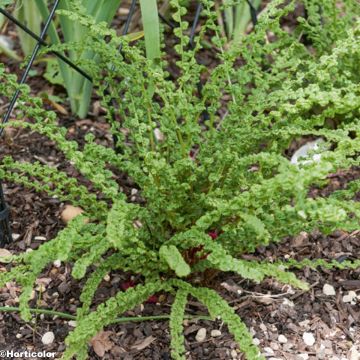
(118, 320)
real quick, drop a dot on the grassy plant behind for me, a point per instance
(28, 14)
(213, 190)
(33, 12)
(237, 17)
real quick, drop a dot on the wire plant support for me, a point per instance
(5, 231)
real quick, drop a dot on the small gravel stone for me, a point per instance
(48, 338)
(256, 341)
(329, 290)
(308, 338)
(57, 263)
(303, 356)
(350, 297)
(354, 353)
(72, 323)
(201, 335)
(287, 302)
(215, 333)
(234, 354)
(269, 351)
(282, 339)
(18, 336)
(159, 135)
(134, 191)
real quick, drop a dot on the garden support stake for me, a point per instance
(5, 231)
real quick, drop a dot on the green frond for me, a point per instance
(176, 325)
(219, 308)
(105, 314)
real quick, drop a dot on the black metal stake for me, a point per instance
(253, 12)
(5, 231)
(43, 42)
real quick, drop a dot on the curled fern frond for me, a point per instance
(176, 325)
(105, 314)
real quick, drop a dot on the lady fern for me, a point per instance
(224, 174)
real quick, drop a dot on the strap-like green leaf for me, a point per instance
(149, 12)
(176, 262)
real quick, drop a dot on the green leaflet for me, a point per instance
(174, 259)
(107, 312)
(219, 308)
(176, 325)
(115, 261)
(119, 230)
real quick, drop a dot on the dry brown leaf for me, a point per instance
(141, 345)
(101, 343)
(4, 254)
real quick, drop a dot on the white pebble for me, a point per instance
(303, 356)
(288, 302)
(256, 341)
(282, 339)
(18, 336)
(134, 191)
(48, 338)
(354, 353)
(15, 236)
(269, 351)
(309, 338)
(234, 354)
(350, 297)
(72, 323)
(329, 290)
(57, 263)
(40, 238)
(201, 335)
(159, 136)
(215, 333)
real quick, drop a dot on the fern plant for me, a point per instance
(213, 189)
